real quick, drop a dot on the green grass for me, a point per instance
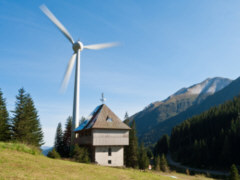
(20, 147)
(18, 161)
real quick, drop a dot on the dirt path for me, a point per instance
(177, 164)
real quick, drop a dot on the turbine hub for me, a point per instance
(77, 45)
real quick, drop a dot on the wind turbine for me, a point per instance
(77, 48)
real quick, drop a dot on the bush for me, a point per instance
(80, 154)
(54, 154)
(234, 173)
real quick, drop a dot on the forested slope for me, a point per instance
(210, 139)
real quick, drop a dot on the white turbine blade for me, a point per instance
(100, 46)
(68, 72)
(50, 15)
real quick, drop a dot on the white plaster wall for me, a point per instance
(110, 137)
(101, 155)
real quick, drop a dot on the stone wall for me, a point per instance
(102, 156)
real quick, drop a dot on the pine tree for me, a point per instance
(82, 120)
(234, 173)
(26, 126)
(157, 163)
(163, 164)
(149, 153)
(35, 134)
(58, 144)
(132, 149)
(162, 145)
(5, 134)
(143, 160)
(19, 123)
(67, 137)
(126, 148)
(126, 119)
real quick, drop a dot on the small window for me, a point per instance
(109, 119)
(109, 151)
(109, 162)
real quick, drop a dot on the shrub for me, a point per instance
(53, 154)
(80, 154)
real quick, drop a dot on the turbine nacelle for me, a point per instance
(77, 45)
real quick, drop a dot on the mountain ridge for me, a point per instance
(181, 100)
(223, 95)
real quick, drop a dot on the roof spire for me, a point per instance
(103, 99)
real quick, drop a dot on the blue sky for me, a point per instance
(165, 45)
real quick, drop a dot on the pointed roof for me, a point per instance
(102, 118)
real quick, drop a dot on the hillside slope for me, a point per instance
(227, 93)
(160, 111)
(16, 164)
(212, 135)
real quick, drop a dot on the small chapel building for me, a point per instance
(105, 135)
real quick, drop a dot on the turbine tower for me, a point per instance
(77, 48)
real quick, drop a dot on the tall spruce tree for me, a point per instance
(157, 163)
(5, 134)
(126, 119)
(163, 163)
(131, 154)
(67, 137)
(58, 144)
(26, 126)
(162, 146)
(143, 160)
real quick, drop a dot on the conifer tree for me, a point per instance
(126, 119)
(234, 173)
(143, 160)
(126, 148)
(163, 164)
(26, 126)
(149, 153)
(162, 145)
(58, 144)
(19, 123)
(82, 120)
(4, 120)
(131, 155)
(157, 163)
(67, 137)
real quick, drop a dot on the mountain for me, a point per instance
(227, 93)
(158, 112)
